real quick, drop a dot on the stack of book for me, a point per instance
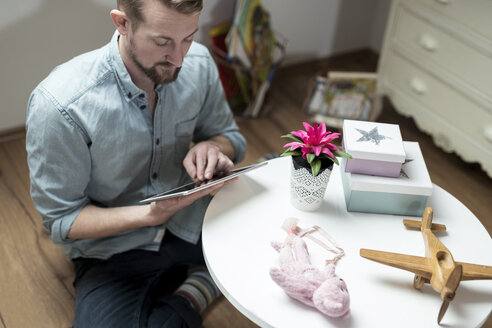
(343, 95)
(385, 174)
(247, 47)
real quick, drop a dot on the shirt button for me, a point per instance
(142, 107)
(157, 141)
(141, 95)
(154, 175)
(129, 94)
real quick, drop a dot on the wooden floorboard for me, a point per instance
(36, 279)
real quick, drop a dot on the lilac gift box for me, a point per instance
(376, 148)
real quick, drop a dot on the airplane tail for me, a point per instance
(427, 218)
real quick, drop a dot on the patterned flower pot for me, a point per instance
(307, 192)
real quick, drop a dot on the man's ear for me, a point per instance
(120, 20)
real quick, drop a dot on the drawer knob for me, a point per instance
(444, 2)
(428, 43)
(418, 86)
(487, 131)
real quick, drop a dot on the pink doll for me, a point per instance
(296, 275)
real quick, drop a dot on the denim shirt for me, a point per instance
(91, 139)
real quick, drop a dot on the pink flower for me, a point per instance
(314, 140)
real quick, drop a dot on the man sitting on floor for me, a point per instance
(114, 126)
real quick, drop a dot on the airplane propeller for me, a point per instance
(449, 290)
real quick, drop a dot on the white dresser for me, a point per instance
(436, 66)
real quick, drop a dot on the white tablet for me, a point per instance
(193, 187)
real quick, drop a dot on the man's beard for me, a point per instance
(152, 72)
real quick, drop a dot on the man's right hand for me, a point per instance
(163, 210)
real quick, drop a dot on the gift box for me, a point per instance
(376, 148)
(405, 195)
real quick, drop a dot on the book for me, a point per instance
(251, 44)
(345, 95)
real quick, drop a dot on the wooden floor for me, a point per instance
(35, 278)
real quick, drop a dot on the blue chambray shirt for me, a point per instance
(92, 139)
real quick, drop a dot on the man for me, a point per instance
(114, 126)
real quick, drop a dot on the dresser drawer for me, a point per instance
(450, 105)
(474, 14)
(444, 51)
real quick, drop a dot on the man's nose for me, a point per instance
(176, 56)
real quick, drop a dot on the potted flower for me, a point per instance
(313, 155)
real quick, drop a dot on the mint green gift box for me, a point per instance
(404, 195)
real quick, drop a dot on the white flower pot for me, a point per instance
(307, 192)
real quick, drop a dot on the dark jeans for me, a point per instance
(134, 289)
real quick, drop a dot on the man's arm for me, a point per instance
(201, 162)
(98, 222)
(216, 121)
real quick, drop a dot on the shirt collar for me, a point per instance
(129, 89)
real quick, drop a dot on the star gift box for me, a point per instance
(376, 148)
(405, 195)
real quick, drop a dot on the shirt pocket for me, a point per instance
(184, 136)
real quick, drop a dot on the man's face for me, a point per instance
(160, 42)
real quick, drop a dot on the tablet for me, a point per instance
(193, 187)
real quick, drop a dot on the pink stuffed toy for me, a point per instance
(296, 275)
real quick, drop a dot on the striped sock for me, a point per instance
(199, 289)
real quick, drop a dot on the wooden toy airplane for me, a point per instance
(437, 267)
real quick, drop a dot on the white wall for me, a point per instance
(37, 35)
(319, 28)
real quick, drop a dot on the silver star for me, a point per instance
(372, 136)
(402, 173)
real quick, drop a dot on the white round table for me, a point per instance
(244, 217)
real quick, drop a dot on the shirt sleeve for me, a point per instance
(59, 164)
(216, 117)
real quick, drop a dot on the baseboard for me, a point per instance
(12, 134)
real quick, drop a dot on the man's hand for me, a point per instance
(163, 210)
(207, 158)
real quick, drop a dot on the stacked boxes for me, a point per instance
(386, 174)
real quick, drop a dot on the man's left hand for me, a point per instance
(205, 159)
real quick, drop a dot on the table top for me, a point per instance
(244, 218)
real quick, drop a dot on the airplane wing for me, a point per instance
(475, 271)
(416, 264)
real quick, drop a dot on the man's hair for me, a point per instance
(133, 8)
